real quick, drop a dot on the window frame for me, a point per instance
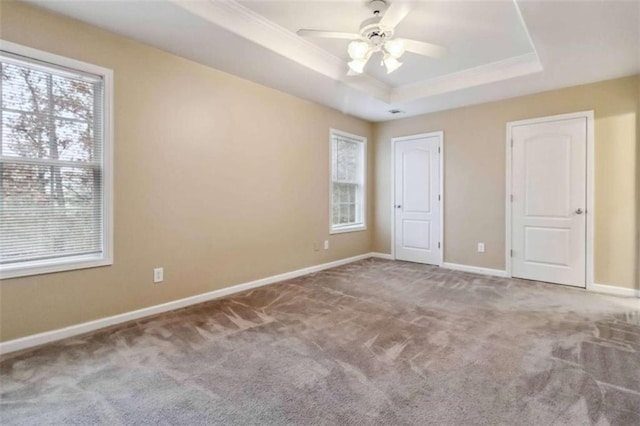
(105, 258)
(362, 226)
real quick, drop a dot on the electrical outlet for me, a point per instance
(480, 247)
(326, 244)
(158, 275)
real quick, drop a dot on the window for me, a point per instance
(55, 153)
(348, 171)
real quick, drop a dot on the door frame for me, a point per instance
(590, 202)
(440, 135)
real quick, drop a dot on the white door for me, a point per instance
(417, 199)
(549, 201)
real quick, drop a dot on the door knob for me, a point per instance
(579, 211)
(398, 206)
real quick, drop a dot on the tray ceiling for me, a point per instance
(475, 33)
(496, 49)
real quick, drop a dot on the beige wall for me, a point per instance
(474, 141)
(222, 181)
(217, 179)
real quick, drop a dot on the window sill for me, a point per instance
(39, 267)
(345, 229)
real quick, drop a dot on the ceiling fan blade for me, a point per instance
(328, 34)
(394, 14)
(423, 48)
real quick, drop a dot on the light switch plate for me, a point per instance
(158, 275)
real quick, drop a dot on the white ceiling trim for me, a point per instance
(235, 17)
(246, 23)
(578, 42)
(483, 74)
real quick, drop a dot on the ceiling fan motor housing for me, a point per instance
(371, 30)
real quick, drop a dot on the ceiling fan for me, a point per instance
(376, 35)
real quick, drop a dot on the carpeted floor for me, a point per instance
(373, 342)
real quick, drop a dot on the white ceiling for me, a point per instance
(497, 49)
(475, 33)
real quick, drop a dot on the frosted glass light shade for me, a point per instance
(391, 63)
(395, 48)
(358, 49)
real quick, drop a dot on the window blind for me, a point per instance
(347, 181)
(51, 161)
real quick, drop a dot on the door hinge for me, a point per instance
(511, 142)
(438, 150)
(438, 244)
(511, 252)
(439, 197)
(511, 198)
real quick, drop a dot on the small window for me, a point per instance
(348, 171)
(55, 171)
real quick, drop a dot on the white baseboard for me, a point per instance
(611, 289)
(86, 327)
(598, 288)
(475, 269)
(381, 255)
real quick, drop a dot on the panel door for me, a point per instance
(549, 201)
(417, 209)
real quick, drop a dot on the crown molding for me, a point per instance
(240, 20)
(496, 71)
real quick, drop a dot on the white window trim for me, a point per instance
(85, 261)
(348, 228)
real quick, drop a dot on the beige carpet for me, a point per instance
(374, 342)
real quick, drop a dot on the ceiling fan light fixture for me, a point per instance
(391, 63)
(395, 48)
(375, 37)
(357, 65)
(358, 50)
